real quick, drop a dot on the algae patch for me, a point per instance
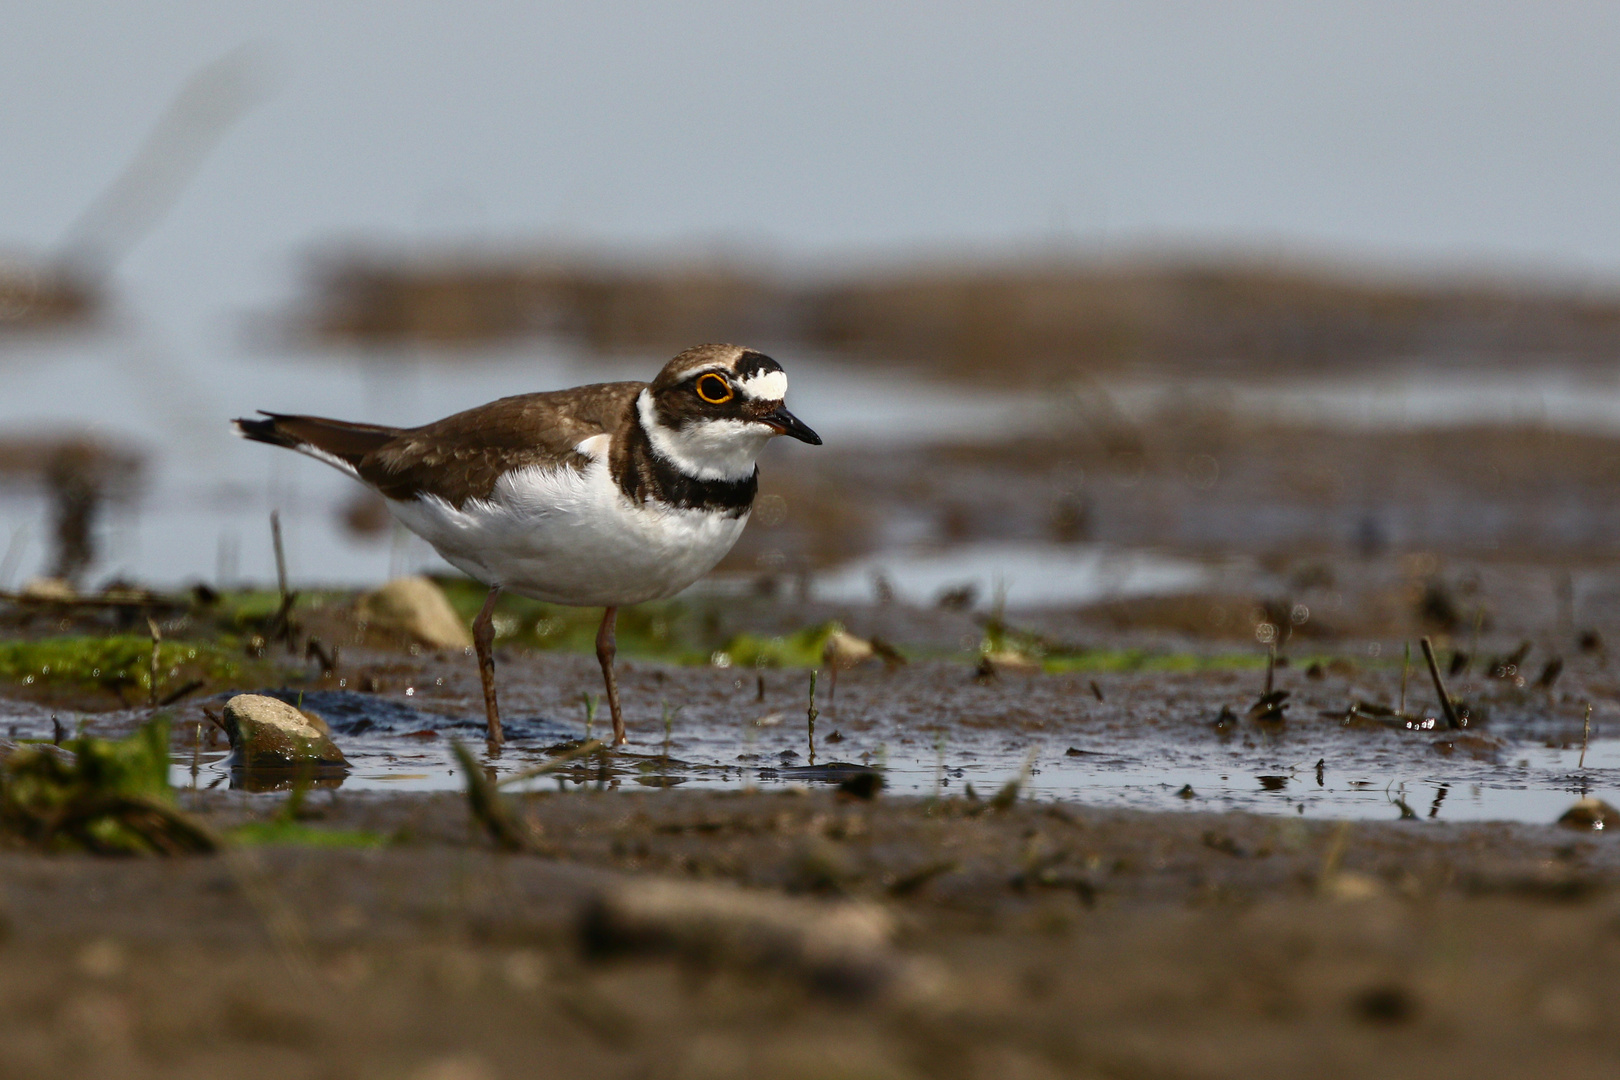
(296, 834)
(801, 649)
(115, 663)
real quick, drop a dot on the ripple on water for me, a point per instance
(1318, 770)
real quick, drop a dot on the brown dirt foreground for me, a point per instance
(1029, 941)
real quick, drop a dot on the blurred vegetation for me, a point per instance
(676, 631)
(38, 294)
(1030, 318)
(801, 649)
(1105, 661)
(280, 833)
(667, 629)
(101, 795)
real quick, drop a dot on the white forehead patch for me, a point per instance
(765, 386)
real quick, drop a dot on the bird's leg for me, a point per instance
(606, 647)
(483, 631)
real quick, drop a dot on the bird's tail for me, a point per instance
(336, 442)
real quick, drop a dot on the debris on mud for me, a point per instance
(1270, 707)
(487, 807)
(841, 946)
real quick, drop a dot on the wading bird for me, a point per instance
(603, 495)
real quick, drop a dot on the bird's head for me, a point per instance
(714, 407)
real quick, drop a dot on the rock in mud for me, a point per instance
(844, 650)
(843, 947)
(1004, 662)
(1592, 815)
(52, 589)
(269, 734)
(417, 608)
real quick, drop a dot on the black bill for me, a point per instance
(791, 426)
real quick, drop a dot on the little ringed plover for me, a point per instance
(603, 495)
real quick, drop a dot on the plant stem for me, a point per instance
(1439, 685)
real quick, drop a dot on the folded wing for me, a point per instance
(462, 456)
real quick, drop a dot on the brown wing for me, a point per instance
(460, 457)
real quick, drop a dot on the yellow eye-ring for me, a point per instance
(714, 389)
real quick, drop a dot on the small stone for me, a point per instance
(844, 650)
(417, 608)
(267, 733)
(1349, 886)
(1590, 815)
(844, 947)
(102, 958)
(1384, 1005)
(1004, 662)
(457, 1067)
(49, 589)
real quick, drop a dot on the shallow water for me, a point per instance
(1021, 575)
(1523, 766)
(1422, 396)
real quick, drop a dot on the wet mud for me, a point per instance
(1033, 940)
(1100, 861)
(1227, 831)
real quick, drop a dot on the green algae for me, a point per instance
(116, 662)
(801, 649)
(279, 833)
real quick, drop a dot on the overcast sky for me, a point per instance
(1475, 133)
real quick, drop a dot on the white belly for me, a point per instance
(572, 537)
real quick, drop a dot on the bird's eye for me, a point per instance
(714, 388)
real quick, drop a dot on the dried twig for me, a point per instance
(1586, 735)
(1406, 669)
(141, 601)
(1439, 685)
(486, 805)
(584, 749)
(157, 640)
(1008, 795)
(811, 716)
(281, 624)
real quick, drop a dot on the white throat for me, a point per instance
(707, 449)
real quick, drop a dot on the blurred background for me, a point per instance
(1088, 300)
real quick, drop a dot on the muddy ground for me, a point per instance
(383, 935)
(1032, 941)
(370, 933)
